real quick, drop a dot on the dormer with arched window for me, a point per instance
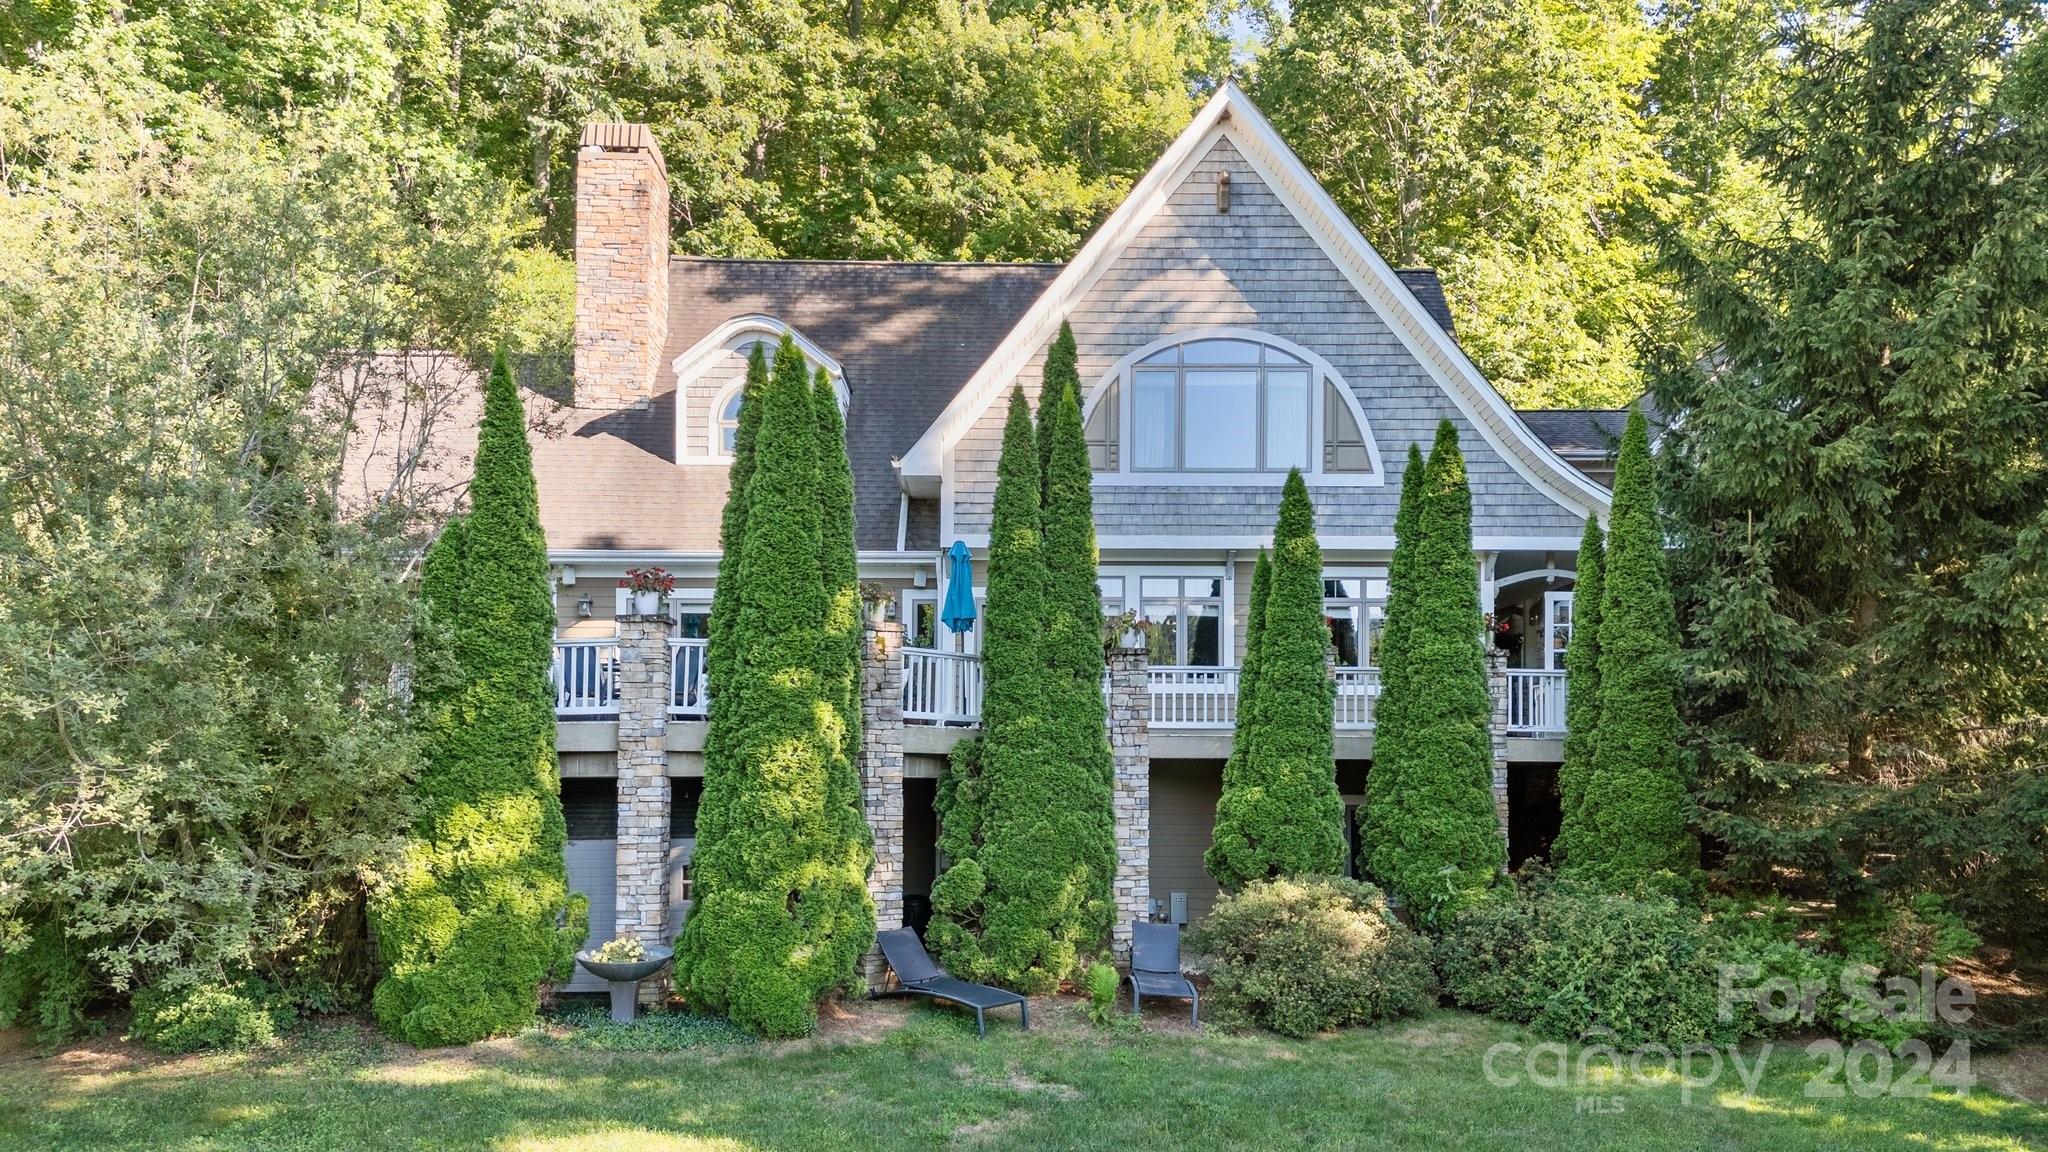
(711, 374)
(1227, 406)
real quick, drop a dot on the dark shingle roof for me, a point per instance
(907, 335)
(1578, 431)
(1429, 292)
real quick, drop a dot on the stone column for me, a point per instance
(1497, 688)
(1130, 724)
(642, 859)
(881, 774)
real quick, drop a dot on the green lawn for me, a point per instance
(894, 1076)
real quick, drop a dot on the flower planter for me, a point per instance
(625, 978)
(646, 603)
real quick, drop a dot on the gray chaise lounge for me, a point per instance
(917, 975)
(1155, 968)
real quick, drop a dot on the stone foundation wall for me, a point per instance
(1497, 687)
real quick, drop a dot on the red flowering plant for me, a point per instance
(648, 580)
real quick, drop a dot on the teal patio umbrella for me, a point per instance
(958, 612)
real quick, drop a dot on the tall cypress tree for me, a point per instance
(481, 914)
(733, 525)
(782, 912)
(1078, 774)
(1016, 911)
(1634, 810)
(838, 563)
(1582, 687)
(1382, 793)
(1247, 726)
(1281, 815)
(1441, 844)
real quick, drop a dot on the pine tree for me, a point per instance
(1857, 483)
(481, 913)
(1078, 773)
(1382, 795)
(1582, 701)
(1632, 815)
(782, 913)
(1281, 815)
(1440, 844)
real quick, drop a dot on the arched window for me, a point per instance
(726, 420)
(1227, 404)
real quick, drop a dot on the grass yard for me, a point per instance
(894, 1075)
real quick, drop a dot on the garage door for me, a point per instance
(591, 809)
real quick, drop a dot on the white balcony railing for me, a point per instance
(687, 699)
(1535, 702)
(941, 687)
(1358, 690)
(1185, 697)
(586, 676)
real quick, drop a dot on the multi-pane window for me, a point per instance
(729, 423)
(1186, 613)
(1557, 627)
(1356, 611)
(1112, 591)
(1220, 406)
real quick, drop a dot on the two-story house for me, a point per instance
(1232, 324)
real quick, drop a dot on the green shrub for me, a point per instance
(1582, 703)
(1299, 955)
(1572, 960)
(782, 913)
(44, 983)
(1435, 836)
(1103, 982)
(479, 914)
(1280, 813)
(1898, 934)
(1632, 812)
(205, 1018)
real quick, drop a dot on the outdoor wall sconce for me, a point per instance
(583, 605)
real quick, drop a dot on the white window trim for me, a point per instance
(714, 439)
(1134, 576)
(690, 365)
(1320, 370)
(1553, 660)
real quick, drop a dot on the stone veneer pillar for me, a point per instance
(642, 858)
(1497, 688)
(881, 774)
(1130, 724)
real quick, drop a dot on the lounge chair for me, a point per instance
(917, 975)
(1155, 968)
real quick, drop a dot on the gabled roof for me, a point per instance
(1579, 433)
(1231, 115)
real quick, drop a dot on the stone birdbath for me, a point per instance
(625, 976)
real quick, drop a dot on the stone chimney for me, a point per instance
(621, 265)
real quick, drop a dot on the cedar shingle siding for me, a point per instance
(1258, 268)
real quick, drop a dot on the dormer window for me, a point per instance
(1224, 406)
(711, 376)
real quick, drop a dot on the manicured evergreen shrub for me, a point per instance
(732, 528)
(782, 913)
(1030, 896)
(1382, 797)
(206, 1018)
(1582, 698)
(480, 913)
(1303, 954)
(1077, 776)
(839, 566)
(1570, 959)
(1436, 841)
(1280, 813)
(1634, 814)
(1247, 691)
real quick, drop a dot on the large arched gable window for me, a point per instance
(707, 421)
(1229, 405)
